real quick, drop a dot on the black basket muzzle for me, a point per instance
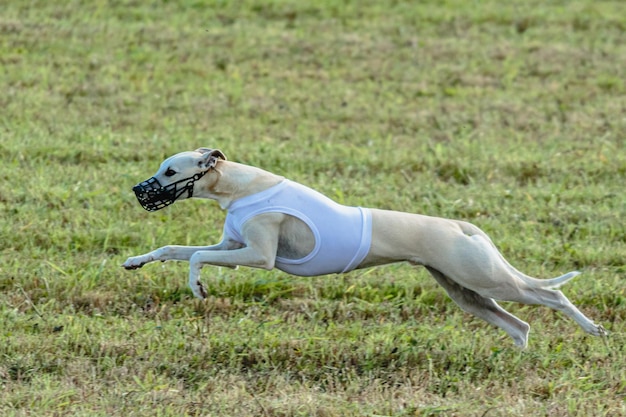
(153, 196)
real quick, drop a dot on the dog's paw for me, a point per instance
(596, 330)
(601, 331)
(198, 290)
(134, 262)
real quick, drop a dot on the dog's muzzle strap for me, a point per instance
(153, 196)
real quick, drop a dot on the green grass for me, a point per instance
(510, 115)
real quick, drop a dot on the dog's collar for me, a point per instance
(153, 196)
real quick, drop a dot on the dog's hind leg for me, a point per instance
(557, 300)
(474, 263)
(484, 308)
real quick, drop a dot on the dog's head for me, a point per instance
(176, 177)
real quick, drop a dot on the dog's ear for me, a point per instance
(210, 157)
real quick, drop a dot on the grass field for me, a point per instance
(511, 115)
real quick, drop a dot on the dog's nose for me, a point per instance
(137, 188)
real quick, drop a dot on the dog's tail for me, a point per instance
(548, 283)
(528, 280)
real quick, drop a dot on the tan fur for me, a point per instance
(460, 256)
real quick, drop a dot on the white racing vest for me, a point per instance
(343, 234)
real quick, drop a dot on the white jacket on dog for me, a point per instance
(343, 235)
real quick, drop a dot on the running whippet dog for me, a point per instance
(274, 222)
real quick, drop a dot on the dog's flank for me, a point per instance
(276, 223)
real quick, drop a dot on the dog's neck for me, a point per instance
(230, 181)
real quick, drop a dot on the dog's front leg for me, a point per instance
(175, 253)
(231, 259)
(259, 250)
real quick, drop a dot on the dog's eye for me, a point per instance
(170, 172)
